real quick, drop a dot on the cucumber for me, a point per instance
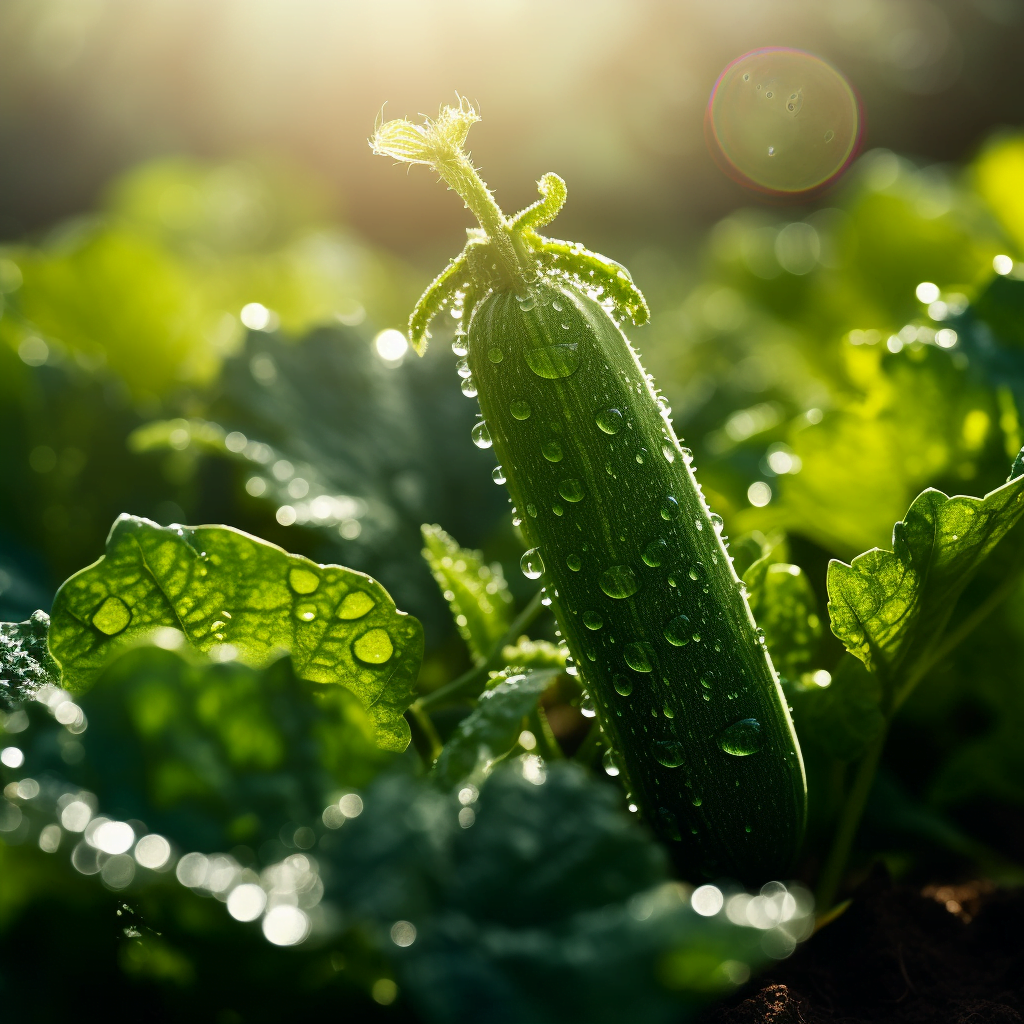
(635, 565)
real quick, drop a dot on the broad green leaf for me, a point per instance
(888, 607)
(785, 607)
(540, 901)
(237, 596)
(477, 594)
(842, 718)
(213, 755)
(492, 728)
(25, 662)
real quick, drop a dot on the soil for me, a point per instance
(951, 954)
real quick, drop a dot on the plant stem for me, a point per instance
(429, 737)
(546, 742)
(470, 683)
(832, 873)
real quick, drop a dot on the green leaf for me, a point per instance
(540, 901)
(477, 594)
(785, 607)
(25, 662)
(235, 595)
(843, 717)
(491, 730)
(889, 607)
(213, 755)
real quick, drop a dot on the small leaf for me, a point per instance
(490, 731)
(235, 595)
(533, 654)
(785, 607)
(477, 593)
(888, 607)
(25, 662)
(843, 717)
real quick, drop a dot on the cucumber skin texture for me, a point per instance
(704, 806)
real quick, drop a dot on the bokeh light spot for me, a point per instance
(783, 121)
(286, 926)
(391, 345)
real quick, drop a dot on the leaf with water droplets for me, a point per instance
(493, 727)
(339, 625)
(890, 607)
(476, 592)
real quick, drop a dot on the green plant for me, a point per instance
(634, 561)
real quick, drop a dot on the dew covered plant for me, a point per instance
(221, 741)
(633, 560)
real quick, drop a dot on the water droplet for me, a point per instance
(571, 489)
(531, 510)
(557, 509)
(532, 564)
(639, 457)
(669, 753)
(355, 605)
(592, 620)
(696, 571)
(481, 435)
(609, 765)
(655, 552)
(374, 647)
(469, 387)
(716, 521)
(520, 408)
(459, 345)
(741, 738)
(573, 561)
(527, 301)
(771, 149)
(553, 361)
(498, 475)
(609, 420)
(557, 306)
(639, 657)
(112, 617)
(495, 354)
(302, 581)
(305, 612)
(623, 685)
(619, 581)
(669, 508)
(668, 712)
(677, 631)
(462, 367)
(829, 135)
(552, 451)
(669, 452)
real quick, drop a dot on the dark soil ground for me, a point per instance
(949, 954)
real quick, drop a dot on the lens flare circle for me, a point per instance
(783, 121)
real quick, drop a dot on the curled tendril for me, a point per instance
(553, 193)
(502, 253)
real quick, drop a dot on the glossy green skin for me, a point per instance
(727, 815)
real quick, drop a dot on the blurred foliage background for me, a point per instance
(198, 256)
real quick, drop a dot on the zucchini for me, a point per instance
(634, 562)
